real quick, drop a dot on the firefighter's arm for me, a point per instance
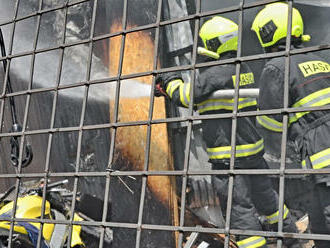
(172, 86)
(271, 97)
(178, 91)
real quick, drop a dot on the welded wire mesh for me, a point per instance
(109, 174)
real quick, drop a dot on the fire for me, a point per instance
(131, 141)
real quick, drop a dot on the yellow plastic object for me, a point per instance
(76, 229)
(277, 15)
(219, 35)
(28, 207)
(305, 37)
(205, 52)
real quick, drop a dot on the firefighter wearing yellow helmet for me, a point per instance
(309, 86)
(251, 192)
(271, 27)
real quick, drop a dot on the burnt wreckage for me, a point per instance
(160, 195)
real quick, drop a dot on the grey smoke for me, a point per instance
(75, 62)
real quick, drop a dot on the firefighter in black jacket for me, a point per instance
(251, 192)
(309, 86)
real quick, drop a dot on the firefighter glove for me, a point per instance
(162, 80)
(201, 192)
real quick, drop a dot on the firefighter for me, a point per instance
(219, 36)
(309, 85)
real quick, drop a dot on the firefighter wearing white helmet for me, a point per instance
(308, 87)
(251, 192)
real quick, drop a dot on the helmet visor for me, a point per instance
(267, 31)
(213, 44)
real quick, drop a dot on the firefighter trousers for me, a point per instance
(320, 213)
(314, 141)
(253, 195)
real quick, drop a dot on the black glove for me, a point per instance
(201, 192)
(162, 80)
(159, 91)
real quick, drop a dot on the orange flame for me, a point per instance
(138, 57)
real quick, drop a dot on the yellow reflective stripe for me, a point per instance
(318, 98)
(247, 103)
(273, 218)
(307, 99)
(252, 242)
(303, 164)
(294, 117)
(270, 123)
(322, 165)
(321, 159)
(246, 150)
(215, 104)
(226, 104)
(172, 86)
(185, 94)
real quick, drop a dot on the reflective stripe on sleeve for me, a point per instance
(225, 104)
(184, 91)
(273, 218)
(172, 86)
(252, 242)
(318, 98)
(246, 150)
(319, 160)
(185, 94)
(270, 123)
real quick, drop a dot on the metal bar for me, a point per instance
(233, 131)
(229, 92)
(40, 12)
(163, 23)
(190, 119)
(285, 125)
(168, 120)
(306, 236)
(169, 173)
(40, 232)
(81, 124)
(113, 131)
(191, 240)
(18, 181)
(190, 125)
(149, 128)
(148, 73)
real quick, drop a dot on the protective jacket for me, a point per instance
(309, 86)
(250, 192)
(217, 132)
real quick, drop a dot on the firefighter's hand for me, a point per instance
(162, 80)
(159, 90)
(201, 193)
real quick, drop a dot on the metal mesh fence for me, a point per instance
(79, 121)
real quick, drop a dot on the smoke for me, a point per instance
(75, 58)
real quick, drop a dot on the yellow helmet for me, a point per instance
(271, 24)
(27, 207)
(219, 35)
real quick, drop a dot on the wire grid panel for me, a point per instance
(67, 131)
